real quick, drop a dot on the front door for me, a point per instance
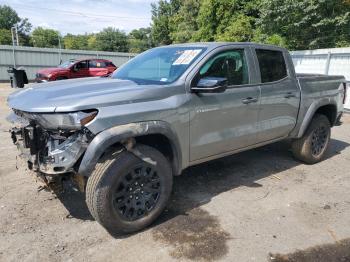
(223, 122)
(80, 69)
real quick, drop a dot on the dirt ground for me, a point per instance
(260, 205)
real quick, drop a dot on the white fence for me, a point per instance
(335, 61)
(32, 59)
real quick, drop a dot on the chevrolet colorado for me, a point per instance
(123, 138)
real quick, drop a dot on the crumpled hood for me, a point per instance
(81, 94)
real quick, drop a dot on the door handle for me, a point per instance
(249, 100)
(289, 95)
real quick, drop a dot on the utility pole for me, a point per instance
(59, 50)
(15, 42)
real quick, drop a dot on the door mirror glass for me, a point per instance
(210, 85)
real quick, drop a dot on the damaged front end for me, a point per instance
(51, 144)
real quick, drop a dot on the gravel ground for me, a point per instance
(259, 205)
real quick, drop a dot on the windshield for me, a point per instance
(66, 64)
(161, 65)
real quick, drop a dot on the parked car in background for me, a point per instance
(75, 69)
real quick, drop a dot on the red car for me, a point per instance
(76, 69)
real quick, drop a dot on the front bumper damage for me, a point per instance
(48, 152)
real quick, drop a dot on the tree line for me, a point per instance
(302, 24)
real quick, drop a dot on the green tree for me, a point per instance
(8, 19)
(307, 24)
(161, 13)
(112, 39)
(5, 37)
(229, 20)
(183, 24)
(42, 37)
(79, 42)
(275, 39)
(140, 40)
(240, 29)
(91, 42)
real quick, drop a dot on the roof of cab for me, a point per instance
(213, 45)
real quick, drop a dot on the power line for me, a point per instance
(80, 14)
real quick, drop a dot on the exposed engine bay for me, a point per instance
(52, 149)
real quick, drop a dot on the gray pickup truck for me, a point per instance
(123, 138)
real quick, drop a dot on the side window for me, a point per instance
(96, 64)
(229, 64)
(92, 64)
(272, 65)
(81, 65)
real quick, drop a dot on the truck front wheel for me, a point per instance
(312, 146)
(125, 193)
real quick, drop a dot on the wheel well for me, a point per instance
(330, 111)
(161, 143)
(61, 77)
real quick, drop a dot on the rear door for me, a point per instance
(223, 122)
(280, 95)
(97, 68)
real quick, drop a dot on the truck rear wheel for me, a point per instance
(126, 194)
(312, 146)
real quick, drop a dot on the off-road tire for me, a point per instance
(302, 148)
(106, 178)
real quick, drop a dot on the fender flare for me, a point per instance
(311, 112)
(116, 134)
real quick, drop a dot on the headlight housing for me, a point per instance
(64, 121)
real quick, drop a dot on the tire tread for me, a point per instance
(301, 147)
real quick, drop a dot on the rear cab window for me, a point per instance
(272, 65)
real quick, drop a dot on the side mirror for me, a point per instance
(210, 85)
(75, 69)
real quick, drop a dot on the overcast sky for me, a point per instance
(80, 16)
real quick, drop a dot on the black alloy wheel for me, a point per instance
(319, 140)
(138, 192)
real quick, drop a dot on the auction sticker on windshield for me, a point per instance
(186, 57)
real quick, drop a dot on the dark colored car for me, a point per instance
(76, 69)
